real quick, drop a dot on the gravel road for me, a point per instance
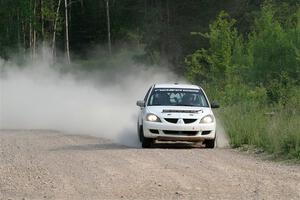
(40, 164)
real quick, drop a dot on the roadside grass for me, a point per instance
(276, 132)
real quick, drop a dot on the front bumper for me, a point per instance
(179, 132)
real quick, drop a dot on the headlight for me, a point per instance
(152, 118)
(207, 119)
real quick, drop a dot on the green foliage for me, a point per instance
(199, 66)
(161, 27)
(224, 60)
(279, 90)
(255, 77)
(269, 53)
(273, 49)
(251, 124)
(222, 37)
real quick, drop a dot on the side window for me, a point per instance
(146, 97)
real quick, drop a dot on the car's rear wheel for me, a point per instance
(146, 142)
(210, 144)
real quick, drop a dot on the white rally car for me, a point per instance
(176, 112)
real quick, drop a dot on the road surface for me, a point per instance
(41, 164)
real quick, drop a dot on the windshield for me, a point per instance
(177, 97)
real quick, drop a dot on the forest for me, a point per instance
(245, 53)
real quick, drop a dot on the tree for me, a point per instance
(108, 27)
(216, 63)
(55, 28)
(67, 33)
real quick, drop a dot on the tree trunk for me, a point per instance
(54, 28)
(30, 37)
(67, 33)
(24, 37)
(24, 34)
(42, 19)
(30, 32)
(70, 14)
(108, 27)
(168, 33)
(19, 30)
(34, 33)
(145, 9)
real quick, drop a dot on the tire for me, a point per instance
(210, 144)
(146, 142)
(139, 132)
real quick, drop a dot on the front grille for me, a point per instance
(190, 133)
(172, 120)
(188, 121)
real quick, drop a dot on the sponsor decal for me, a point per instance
(182, 111)
(175, 90)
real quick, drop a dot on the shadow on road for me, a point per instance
(176, 145)
(91, 147)
(114, 146)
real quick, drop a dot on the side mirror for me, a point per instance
(214, 105)
(140, 103)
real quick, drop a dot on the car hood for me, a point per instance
(179, 111)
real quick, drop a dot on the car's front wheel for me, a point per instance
(210, 144)
(146, 142)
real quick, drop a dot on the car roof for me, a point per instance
(176, 85)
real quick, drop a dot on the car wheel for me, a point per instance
(210, 144)
(139, 131)
(146, 142)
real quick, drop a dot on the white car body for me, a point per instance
(176, 123)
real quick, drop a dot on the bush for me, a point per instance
(255, 79)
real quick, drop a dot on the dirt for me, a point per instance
(40, 164)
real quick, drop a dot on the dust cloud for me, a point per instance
(38, 95)
(222, 140)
